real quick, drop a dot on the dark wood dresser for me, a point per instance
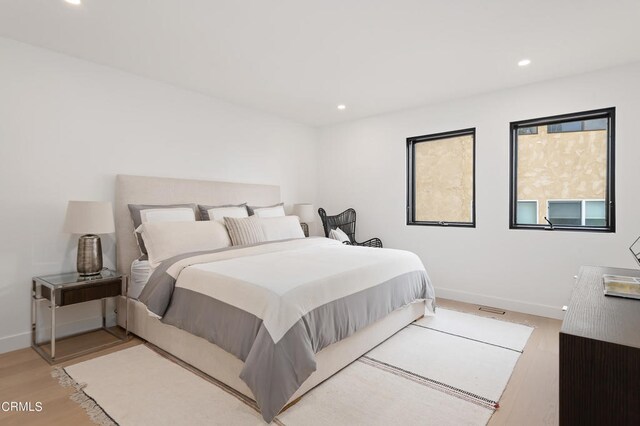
(600, 354)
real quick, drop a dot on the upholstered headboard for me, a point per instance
(157, 190)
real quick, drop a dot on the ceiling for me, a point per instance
(299, 59)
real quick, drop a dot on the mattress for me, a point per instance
(140, 272)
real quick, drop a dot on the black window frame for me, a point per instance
(610, 115)
(411, 187)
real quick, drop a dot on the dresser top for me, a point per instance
(593, 315)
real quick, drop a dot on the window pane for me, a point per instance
(577, 126)
(594, 209)
(597, 124)
(527, 213)
(565, 212)
(595, 214)
(528, 130)
(571, 126)
(564, 167)
(444, 179)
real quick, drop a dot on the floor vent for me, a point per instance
(492, 310)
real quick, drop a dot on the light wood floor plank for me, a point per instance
(26, 377)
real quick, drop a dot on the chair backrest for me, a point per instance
(345, 221)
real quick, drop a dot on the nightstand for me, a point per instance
(69, 289)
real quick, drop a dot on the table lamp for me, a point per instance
(89, 218)
(306, 214)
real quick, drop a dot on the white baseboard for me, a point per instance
(15, 342)
(23, 340)
(502, 303)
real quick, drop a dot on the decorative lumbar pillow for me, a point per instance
(246, 230)
(148, 213)
(167, 239)
(339, 234)
(220, 212)
(281, 228)
(268, 211)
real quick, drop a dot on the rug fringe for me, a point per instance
(88, 404)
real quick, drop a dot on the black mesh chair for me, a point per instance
(347, 222)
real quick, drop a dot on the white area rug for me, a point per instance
(450, 369)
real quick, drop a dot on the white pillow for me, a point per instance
(167, 215)
(339, 234)
(143, 213)
(219, 213)
(281, 228)
(274, 211)
(167, 239)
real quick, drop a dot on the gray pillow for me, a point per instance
(136, 216)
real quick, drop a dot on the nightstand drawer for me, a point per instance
(84, 293)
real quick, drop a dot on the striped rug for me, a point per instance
(450, 369)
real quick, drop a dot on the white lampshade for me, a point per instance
(305, 212)
(89, 217)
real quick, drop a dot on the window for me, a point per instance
(578, 212)
(563, 212)
(577, 126)
(528, 212)
(441, 179)
(594, 213)
(567, 167)
(528, 130)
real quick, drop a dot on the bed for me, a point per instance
(259, 367)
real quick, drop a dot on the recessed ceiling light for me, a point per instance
(74, 2)
(524, 62)
(341, 107)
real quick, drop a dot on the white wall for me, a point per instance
(363, 165)
(68, 126)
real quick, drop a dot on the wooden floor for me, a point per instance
(26, 377)
(531, 397)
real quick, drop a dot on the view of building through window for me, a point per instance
(561, 173)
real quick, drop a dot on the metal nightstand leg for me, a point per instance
(123, 336)
(126, 301)
(52, 305)
(34, 315)
(104, 313)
